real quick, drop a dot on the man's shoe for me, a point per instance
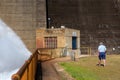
(97, 64)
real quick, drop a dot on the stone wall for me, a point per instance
(24, 17)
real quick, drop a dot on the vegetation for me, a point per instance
(85, 68)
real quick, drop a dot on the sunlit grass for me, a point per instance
(86, 69)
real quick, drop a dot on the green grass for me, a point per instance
(86, 69)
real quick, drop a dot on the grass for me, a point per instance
(86, 69)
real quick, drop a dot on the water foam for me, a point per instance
(13, 52)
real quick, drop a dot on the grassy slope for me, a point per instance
(86, 69)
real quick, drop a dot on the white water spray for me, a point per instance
(13, 52)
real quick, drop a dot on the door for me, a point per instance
(74, 42)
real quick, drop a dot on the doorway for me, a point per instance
(74, 43)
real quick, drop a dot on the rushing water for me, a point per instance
(13, 52)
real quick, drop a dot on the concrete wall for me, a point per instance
(98, 20)
(24, 17)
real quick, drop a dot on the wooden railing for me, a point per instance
(28, 70)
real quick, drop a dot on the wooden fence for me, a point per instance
(28, 70)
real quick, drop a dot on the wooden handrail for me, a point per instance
(27, 67)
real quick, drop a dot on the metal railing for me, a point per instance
(28, 70)
(85, 50)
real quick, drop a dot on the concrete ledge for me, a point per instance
(62, 73)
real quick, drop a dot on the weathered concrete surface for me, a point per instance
(98, 20)
(24, 17)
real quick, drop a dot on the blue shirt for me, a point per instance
(101, 48)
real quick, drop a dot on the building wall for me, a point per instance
(59, 33)
(24, 17)
(69, 33)
(64, 41)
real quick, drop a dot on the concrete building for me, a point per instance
(58, 42)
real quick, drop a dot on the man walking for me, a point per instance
(102, 54)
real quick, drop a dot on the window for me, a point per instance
(50, 42)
